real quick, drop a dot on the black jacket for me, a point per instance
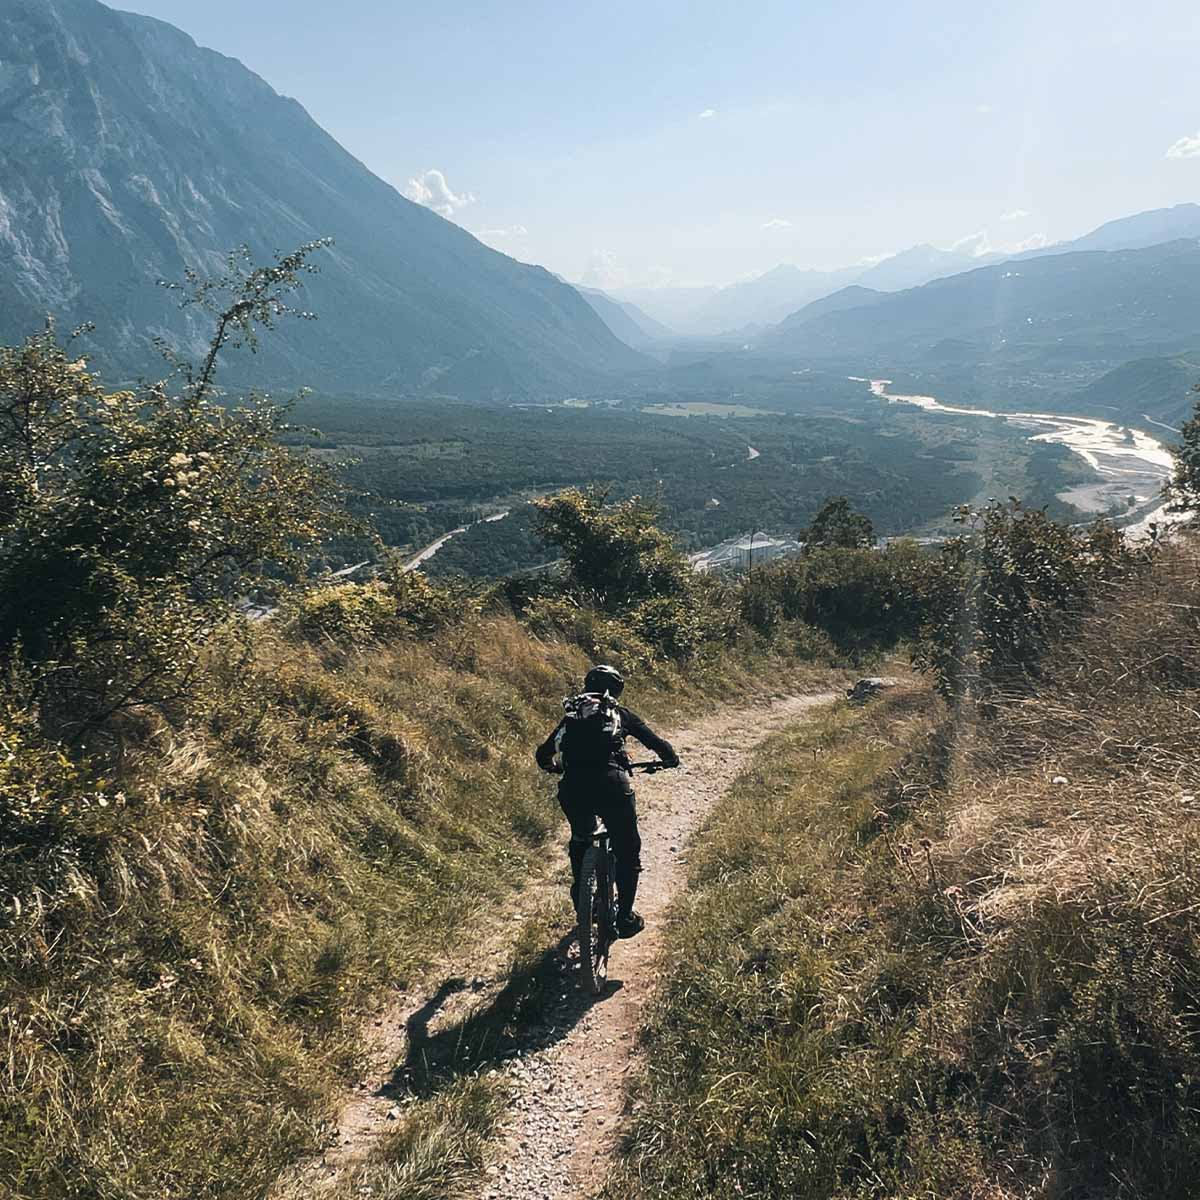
(631, 725)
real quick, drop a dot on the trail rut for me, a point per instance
(568, 1076)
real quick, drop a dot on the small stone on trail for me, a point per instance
(1059, 780)
(393, 1113)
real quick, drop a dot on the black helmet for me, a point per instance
(603, 678)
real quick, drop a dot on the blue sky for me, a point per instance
(627, 144)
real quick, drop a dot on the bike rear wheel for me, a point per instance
(594, 914)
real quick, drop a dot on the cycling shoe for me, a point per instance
(630, 925)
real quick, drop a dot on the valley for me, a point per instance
(1131, 465)
(428, 475)
(835, 426)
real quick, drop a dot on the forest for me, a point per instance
(418, 469)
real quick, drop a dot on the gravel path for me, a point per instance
(567, 1073)
(570, 1095)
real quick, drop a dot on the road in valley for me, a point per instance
(433, 547)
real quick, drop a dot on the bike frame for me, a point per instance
(598, 929)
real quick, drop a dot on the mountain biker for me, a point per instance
(599, 785)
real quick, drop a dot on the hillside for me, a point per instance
(127, 154)
(1138, 231)
(766, 299)
(223, 842)
(1161, 389)
(259, 874)
(854, 296)
(771, 297)
(1087, 308)
(626, 320)
(945, 951)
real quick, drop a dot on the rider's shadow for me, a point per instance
(540, 1003)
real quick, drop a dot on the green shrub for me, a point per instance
(863, 600)
(427, 607)
(346, 613)
(616, 555)
(677, 630)
(136, 518)
(1184, 488)
(1005, 591)
(838, 526)
(400, 604)
(601, 638)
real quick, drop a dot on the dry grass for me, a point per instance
(183, 978)
(437, 1150)
(975, 976)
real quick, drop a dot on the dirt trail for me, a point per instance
(568, 1075)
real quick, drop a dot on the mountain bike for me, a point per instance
(597, 905)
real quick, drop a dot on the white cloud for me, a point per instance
(1186, 147)
(431, 189)
(974, 244)
(777, 223)
(984, 109)
(1033, 242)
(502, 235)
(708, 112)
(1016, 214)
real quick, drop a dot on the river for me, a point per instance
(1128, 461)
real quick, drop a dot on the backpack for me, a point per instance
(591, 730)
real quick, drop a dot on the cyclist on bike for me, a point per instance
(597, 783)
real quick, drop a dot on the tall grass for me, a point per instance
(184, 971)
(946, 954)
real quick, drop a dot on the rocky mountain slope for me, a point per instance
(127, 153)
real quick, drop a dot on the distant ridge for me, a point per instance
(625, 319)
(1082, 307)
(773, 296)
(127, 153)
(1139, 231)
(854, 296)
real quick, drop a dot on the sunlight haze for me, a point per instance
(701, 143)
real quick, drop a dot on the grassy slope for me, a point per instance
(926, 959)
(181, 990)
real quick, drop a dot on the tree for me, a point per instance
(1006, 591)
(616, 554)
(130, 520)
(621, 562)
(1184, 488)
(838, 526)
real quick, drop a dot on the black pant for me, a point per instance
(607, 794)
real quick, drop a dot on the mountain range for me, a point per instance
(626, 320)
(1083, 307)
(128, 153)
(747, 306)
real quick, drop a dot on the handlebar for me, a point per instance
(649, 767)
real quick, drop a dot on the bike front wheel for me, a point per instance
(594, 913)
